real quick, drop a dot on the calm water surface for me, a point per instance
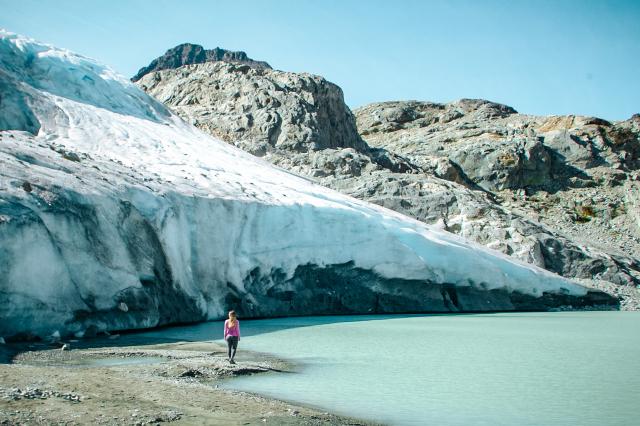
(569, 368)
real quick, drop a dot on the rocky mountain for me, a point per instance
(117, 214)
(557, 192)
(187, 53)
(577, 175)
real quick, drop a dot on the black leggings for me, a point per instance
(232, 343)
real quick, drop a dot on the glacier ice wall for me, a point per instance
(115, 214)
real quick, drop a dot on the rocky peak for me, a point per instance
(492, 109)
(188, 54)
(263, 111)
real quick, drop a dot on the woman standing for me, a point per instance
(232, 334)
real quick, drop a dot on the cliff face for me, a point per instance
(116, 214)
(557, 192)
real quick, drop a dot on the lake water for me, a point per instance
(565, 368)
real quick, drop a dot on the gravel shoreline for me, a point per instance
(119, 383)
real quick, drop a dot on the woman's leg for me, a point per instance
(229, 345)
(234, 341)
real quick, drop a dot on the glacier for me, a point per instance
(116, 214)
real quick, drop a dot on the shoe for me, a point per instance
(232, 361)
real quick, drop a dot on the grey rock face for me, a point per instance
(187, 53)
(262, 111)
(573, 175)
(499, 149)
(471, 166)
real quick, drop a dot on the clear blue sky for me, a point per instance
(541, 57)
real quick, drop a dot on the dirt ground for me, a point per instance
(113, 382)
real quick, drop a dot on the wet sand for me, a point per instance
(124, 381)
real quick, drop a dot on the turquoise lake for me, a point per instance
(564, 368)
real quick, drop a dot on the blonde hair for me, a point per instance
(232, 318)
